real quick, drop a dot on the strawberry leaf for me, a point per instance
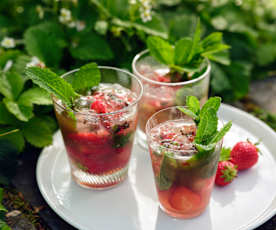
(225, 154)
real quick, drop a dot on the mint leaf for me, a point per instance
(15, 138)
(11, 84)
(38, 132)
(213, 102)
(182, 51)
(2, 208)
(204, 151)
(195, 43)
(6, 118)
(221, 57)
(167, 172)
(220, 134)
(211, 41)
(160, 49)
(188, 112)
(121, 140)
(225, 154)
(35, 95)
(207, 126)
(193, 104)
(20, 111)
(49, 81)
(88, 76)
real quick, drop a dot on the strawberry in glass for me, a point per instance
(99, 125)
(185, 155)
(171, 72)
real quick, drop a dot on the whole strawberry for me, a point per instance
(244, 155)
(226, 173)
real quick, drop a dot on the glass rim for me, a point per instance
(170, 149)
(139, 55)
(110, 113)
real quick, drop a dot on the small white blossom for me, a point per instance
(145, 10)
(80, 25)
(219, 23)
(8, 65)
(35, 62)
(65, 16)
(146, 15)
(101, 27)
(8, 42)
(71, 24)
(40, 12)
(132, 2)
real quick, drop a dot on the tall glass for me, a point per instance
(184, 179)
(99, 145)
(160, 95)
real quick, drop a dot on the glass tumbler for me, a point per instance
(184, 179)
(99, 157)
(159, 95)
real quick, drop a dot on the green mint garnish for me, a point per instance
(87, 76)
(121, 140)
(167, 172)
(188, 54)
(207, 135)
(225, 154)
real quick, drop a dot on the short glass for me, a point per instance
(160, 95)
(99, 157)
(184, 180)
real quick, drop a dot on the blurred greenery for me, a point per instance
(66, 34)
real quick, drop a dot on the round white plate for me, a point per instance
(245, 204)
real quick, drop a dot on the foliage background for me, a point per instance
(64, 34)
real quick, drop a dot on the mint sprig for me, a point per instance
(188, 54)
(207, 135)
(87, 76)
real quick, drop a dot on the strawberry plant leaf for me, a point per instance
(20, 111)
(6, 118)
(225, 154)
(36, 96)
(16, 138)
(38, 132)
(11, 84)
(88, 76)
(49, 81)
(160, 49)
(8, 55)
(45, 41)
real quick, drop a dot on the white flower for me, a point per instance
(146, 15)
(35, 62)
(145, 10)
(219, 23)
(8, 65)
(71, 24)
(8, 42)
(101, 27)
(65, 16)
(80, 25)
(40, 12)
(132, 2)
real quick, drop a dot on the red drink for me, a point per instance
(183, 180)
(100, 140)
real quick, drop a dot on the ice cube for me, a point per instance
(83, 102)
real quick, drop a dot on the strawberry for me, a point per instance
(226, 173)
(98, 106)
(244, 155)
(185, 200)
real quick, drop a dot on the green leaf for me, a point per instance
(196, 42)
(38, 132)
(15, 138)
(183, 49)
(161, 50)
(36, 96)
(204, 151)
(262, 52)
(45, 41)
(91, 46)
(219, 81)
(221, 57)
(6, 118)
(8, 55)
(20, 111)
(213, 102)
(225, 154)
(11, 84)
(49, 81)
(167, 172)
(207, 126)
(220, 134)
(88, 76)
(188, 112)
(52, 124)
(193, 104)
(121, 140)
(211, 40)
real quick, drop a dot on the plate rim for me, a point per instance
(254, 224)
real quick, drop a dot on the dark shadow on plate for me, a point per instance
(165, 222)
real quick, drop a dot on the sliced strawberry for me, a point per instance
(185, 200)
(99, 106)
(202, 184)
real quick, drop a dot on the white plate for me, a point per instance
(245, 204)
